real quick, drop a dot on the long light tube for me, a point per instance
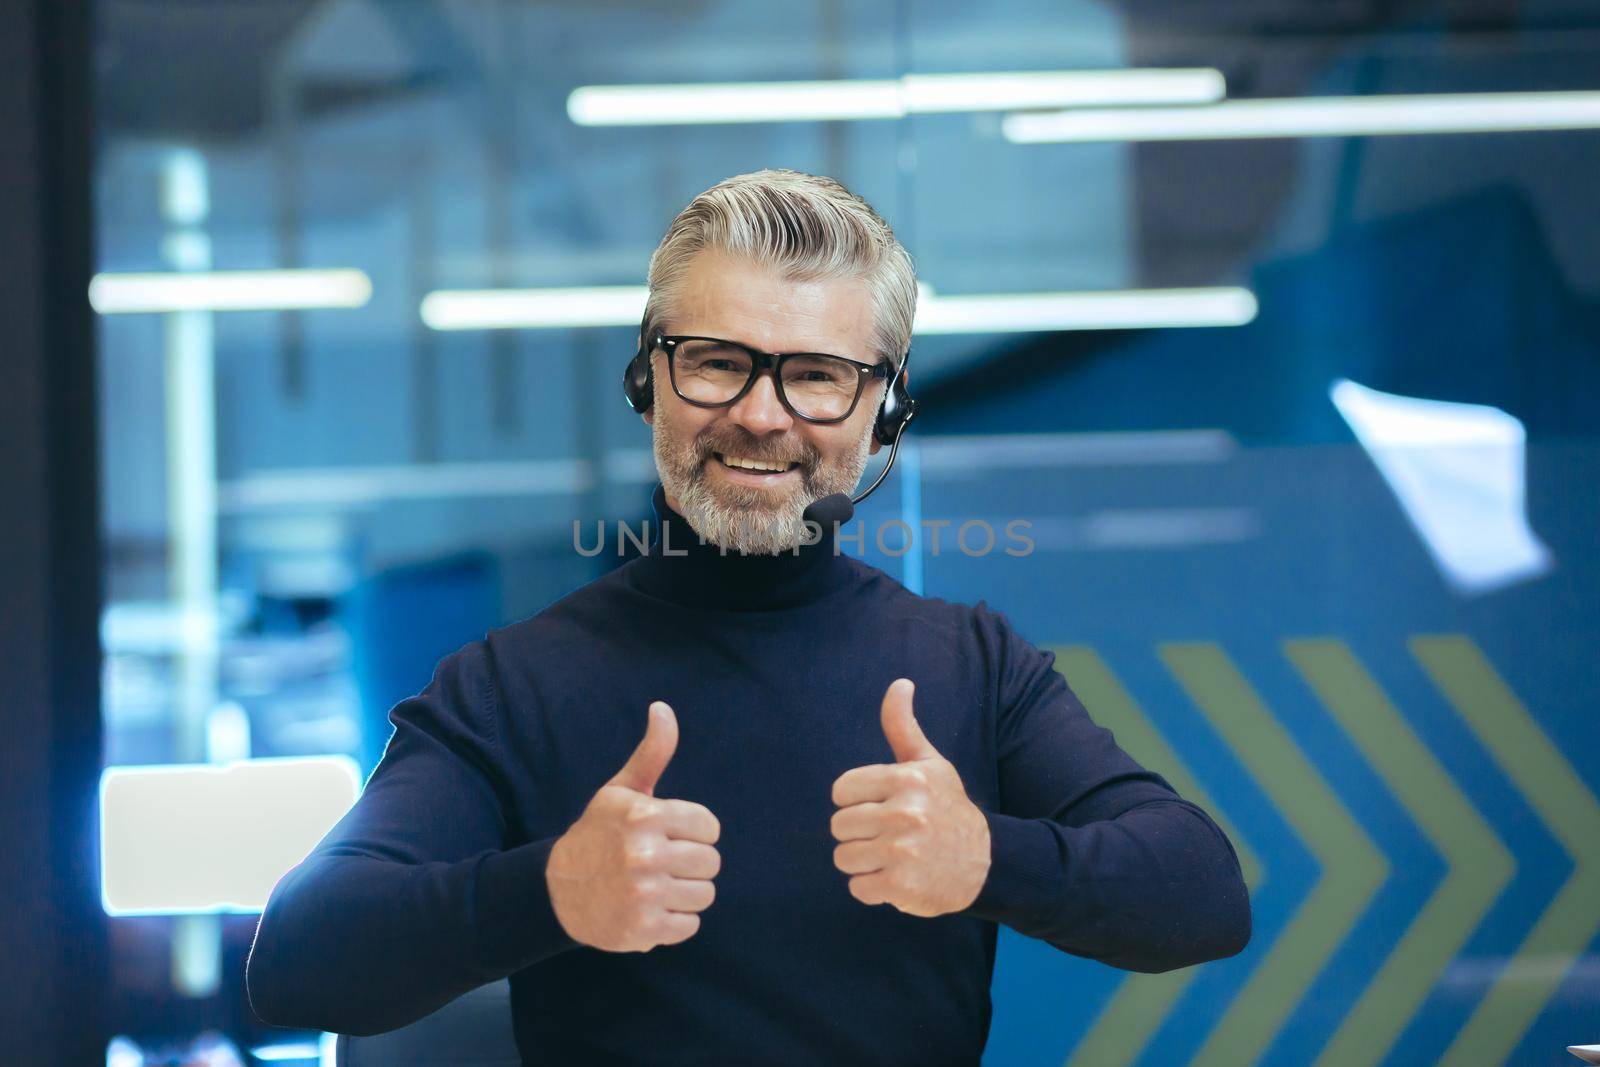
(1328, 116)
(1125, 309)
(228, 290)
(504, 309)
(887, 98)
(622, 305)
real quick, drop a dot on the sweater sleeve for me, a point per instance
(1089, 851)
(413, 898)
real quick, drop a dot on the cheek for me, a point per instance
(840, 445)
(855, 438)
(681, 423)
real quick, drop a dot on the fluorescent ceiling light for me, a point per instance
(293, 1051)
(888, 98)
(193, 838)
(962, 454)
(623, 305)
(505, 309)
(229, 290)
(355, 487)
(1328, 116)
(1125, 309)
(1127, 529)
(1458, 472)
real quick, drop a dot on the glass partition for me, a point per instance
(1258, 357)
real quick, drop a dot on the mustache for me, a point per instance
(749, 448)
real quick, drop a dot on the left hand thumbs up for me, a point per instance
(909, 835)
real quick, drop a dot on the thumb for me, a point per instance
(900, 723)
(654, 752)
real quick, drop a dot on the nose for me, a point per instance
(760, 410)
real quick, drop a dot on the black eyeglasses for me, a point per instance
(711, 372)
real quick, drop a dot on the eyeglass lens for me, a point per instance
(818, 387)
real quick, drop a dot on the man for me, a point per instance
(841, 787)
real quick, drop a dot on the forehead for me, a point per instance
(736, 298)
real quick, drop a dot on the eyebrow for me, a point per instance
(873, 356)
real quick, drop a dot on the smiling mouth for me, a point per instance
(754, 467)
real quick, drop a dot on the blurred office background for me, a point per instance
(1279, 322)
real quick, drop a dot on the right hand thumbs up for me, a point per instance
(634, 871)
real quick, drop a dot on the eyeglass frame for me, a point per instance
(760, 361)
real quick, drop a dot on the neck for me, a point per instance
(683, 569)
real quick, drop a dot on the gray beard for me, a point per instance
(750, 530)
(742, 521)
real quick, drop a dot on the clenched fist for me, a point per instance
(910, 836)
(634, 871)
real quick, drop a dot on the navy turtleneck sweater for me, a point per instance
(776, 668)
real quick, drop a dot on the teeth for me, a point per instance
(752, 465)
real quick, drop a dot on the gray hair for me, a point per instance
(805, 225)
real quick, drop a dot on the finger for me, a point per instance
(688, 894)
(870, 888)
(858, 857)
(860, 785)
(859, 821)
(900, 723)
(685, 820)
(677, 926)
(690, 859)
(879, 782)
(653, 753)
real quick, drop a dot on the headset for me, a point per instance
(894, 415)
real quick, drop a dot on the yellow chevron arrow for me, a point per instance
(1530, 760)
(1479, 865)
(1352, 867)
(1142, 1001)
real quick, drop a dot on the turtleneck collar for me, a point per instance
(682, 569)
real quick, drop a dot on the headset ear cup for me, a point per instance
(638, 377)
(883, 429)
(637, 383)
(897, 409)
